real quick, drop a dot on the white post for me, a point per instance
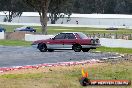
(2, 35)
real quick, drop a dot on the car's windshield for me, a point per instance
(83, 36)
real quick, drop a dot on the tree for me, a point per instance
(89, 6)
(103, 6)
(121, 7)
(129, 3)
(12, 8)
(41, 6)
(85, 6)
(59, 8)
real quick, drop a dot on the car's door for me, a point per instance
(57, 42)
(69, 40)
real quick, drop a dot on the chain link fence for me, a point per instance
(110, 35)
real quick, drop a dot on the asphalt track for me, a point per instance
(20, 56)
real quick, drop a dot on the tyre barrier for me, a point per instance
(73, 63)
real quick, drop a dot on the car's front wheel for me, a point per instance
(77, 48)
(85, 50)
(42, 47)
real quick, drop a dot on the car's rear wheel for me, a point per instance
(42, 47)
(85, 50)
(77, 48)
(50, 50)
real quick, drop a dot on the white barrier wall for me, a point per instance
(2, 35)
(31, 37)
(116, 43)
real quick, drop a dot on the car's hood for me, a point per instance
(40, 41)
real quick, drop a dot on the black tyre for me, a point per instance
(42, 47)
(50, 50)
(77, 48)
(85, 50)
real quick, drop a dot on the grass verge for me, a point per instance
(14, 43)
(118, 50)
(66, 77)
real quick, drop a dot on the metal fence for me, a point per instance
(112, 36)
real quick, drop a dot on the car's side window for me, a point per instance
(60, 36)
(70, 36)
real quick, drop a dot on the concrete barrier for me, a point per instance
(2, 35)
(116, 43)
(31, 37)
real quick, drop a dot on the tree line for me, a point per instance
(55, 8)
(103, 6)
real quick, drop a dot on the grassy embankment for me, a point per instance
(66, 77)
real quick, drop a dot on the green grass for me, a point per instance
(87, 30)
(22, 76)
(57, 29)
(10, 28)
(14, 43)
(68, 77)
(119, 50)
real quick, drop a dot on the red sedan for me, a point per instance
(76, 41)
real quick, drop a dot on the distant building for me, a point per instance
(81, 19)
